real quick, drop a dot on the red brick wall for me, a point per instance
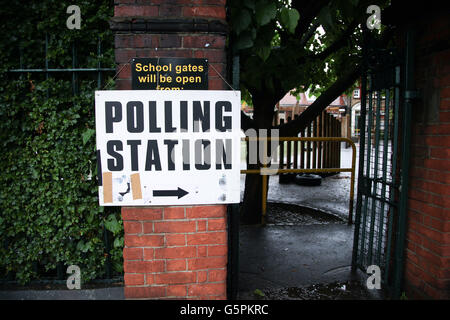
(175, 252)
(170, 8)
(171, 44)
(427, 267)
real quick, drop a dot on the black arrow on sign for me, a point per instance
(170, 193)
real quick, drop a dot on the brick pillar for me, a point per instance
(427, 265)
(170, 28)
(173, 252)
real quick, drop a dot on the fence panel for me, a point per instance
(313, 154)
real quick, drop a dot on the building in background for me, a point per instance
(291, 106)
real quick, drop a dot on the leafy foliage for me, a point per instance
(295, 45)
(48, 197)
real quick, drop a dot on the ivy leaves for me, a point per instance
(50, 211)
(87, 135)
(47, 203)
(112, 224)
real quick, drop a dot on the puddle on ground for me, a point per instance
(347, 290)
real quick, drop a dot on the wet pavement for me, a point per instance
(305, 250)
(292, 256)
(299, 254)
(111, 293)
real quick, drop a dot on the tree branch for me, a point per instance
(309, 34)
(338, 44)
(308, 11)
(294, 127)
(335, 90)
(246, 122)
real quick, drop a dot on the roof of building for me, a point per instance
(305, 100)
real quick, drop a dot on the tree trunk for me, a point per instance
(251, 210)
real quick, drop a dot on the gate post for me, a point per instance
(173, 252)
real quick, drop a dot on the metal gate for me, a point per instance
(383, 164)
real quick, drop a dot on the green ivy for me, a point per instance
(48, 186)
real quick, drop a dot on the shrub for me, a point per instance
(48, 186)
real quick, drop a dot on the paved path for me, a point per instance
(113, 293)
(275, 257)
(293, 256)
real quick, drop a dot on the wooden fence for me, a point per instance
(313, 155)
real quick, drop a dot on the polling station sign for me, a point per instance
(168, 147)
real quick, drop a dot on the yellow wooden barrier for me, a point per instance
(278, 171)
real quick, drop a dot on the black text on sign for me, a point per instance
(163, 141)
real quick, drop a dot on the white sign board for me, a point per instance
(160, 147)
